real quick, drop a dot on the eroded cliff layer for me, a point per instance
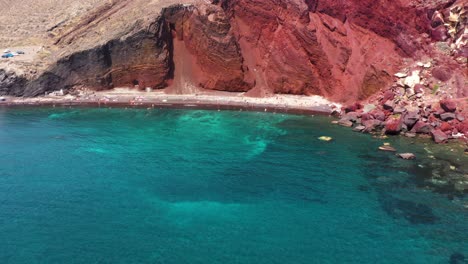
(342, 50)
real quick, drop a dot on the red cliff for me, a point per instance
(344, 50)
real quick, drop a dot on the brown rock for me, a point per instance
(393, 125)
(448, 105)
(421, 128)
(372, 125)
(439, 136)
(387, 148)
(463, 127)
(445, 127)
(447, 116)
(410, 118)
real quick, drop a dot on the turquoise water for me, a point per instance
(193, 186)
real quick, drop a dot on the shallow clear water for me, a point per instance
(192, 186)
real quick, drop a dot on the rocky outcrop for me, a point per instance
(142, 59)
(343, 50)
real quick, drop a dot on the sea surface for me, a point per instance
(195, 186)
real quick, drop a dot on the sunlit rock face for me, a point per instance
(343, 50)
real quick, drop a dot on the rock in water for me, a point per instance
(326, 139)
(345, 123)
(439, 136)
(387, 148)
(359, 128)
(407, 156)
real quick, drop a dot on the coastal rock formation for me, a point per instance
(345, 51)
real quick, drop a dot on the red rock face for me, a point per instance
(309, 47)
(216, 61)
(344, 50)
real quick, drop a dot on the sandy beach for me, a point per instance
(123, 97)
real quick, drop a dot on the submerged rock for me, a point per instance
(325, 138)
(407, 156)
(387, 148)
(359, 128)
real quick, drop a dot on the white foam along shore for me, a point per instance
(123, 96)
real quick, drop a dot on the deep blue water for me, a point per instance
(193, 186)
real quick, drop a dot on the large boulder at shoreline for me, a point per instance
(410, 118)
(421, 128)
(393, 125)
(439, 136)
(372, 125)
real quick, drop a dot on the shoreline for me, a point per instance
(210, 101)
